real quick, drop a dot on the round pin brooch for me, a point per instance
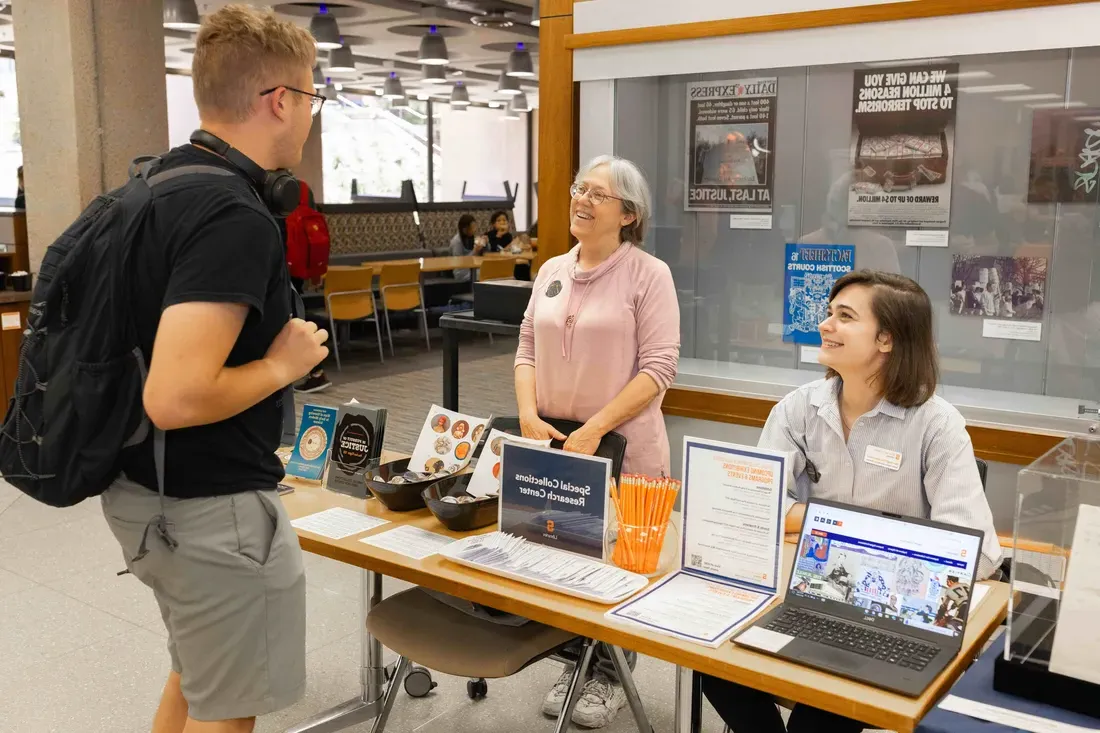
(553, 289)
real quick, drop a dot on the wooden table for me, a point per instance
(781, 678)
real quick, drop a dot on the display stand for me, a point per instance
(1057, 498)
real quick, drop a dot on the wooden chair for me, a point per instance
(349, 296)
(496, 268)
(401, 291)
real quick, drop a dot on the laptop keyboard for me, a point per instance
(854, 638)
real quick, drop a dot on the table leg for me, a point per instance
(372, 672)
(450, 369)
(688, 702)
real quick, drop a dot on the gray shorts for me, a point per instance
(232, 594)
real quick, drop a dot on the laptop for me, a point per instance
(873, 596)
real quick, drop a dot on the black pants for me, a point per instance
(746, 710)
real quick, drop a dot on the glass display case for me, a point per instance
(1057, 502)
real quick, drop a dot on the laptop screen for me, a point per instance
(888, 568)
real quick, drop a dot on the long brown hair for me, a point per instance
(904, 311)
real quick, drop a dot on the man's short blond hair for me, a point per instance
(241, 51)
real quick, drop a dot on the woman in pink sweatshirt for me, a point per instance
(599, 344)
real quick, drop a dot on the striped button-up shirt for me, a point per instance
(937, 476)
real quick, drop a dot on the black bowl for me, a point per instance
(395, 497)
(459, 517)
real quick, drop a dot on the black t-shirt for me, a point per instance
(498, 242)
(210, 243)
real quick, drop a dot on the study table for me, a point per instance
(784, 679)
(451, 324)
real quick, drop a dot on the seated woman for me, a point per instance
(879, 392)
(499, 234)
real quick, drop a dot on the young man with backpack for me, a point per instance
(305, 234)
(182, 272)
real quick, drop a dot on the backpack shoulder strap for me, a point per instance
(162, 177)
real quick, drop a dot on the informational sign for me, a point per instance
(313, 442)
(555, 498)
(731, 144)
(903, 139)
(1065, 156)
(809, 273)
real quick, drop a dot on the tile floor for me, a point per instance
(82, 650)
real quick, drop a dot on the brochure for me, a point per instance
(313, 443)
(360, 430)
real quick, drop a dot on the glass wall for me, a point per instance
(11, 149)
(731, 281)
(370, 147)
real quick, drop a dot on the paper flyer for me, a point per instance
(447, 441)
(809, 273)
(731, 138)
(1065, 156)
(902, 149)
(486, 478)
(312, 445)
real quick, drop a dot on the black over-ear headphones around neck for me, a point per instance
(278, 189)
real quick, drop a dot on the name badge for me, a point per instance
(882, 457)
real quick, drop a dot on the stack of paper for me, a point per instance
(516, 558)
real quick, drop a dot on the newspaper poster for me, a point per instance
(1065, 156)
(731, 137)
(810, 271)
(903, 142)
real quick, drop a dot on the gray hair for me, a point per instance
(627, 183)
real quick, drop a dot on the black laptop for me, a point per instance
(873, 596)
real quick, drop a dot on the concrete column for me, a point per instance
(312, 168)
(90, 75)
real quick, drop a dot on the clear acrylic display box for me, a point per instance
(1049, 493)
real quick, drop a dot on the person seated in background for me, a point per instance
(466, 243)
(879, 393)
(20, 196)
(499, 234)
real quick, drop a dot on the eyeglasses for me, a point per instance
(316, 101)
(595, 195)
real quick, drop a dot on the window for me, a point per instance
(11, 148)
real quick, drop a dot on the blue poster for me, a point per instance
(554, 498)
(809, 273)
(313, 443)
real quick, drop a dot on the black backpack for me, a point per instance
(78, 393)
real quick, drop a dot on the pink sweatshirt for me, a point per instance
(589, 333)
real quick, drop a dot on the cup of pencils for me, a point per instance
(641, 538)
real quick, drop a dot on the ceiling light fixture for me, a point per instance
(519, 63)
(325, 31)
(341, 60)
(995, 88)
(1057, 105)
(434, 74)
(181, 15)
(1029, 97)
(519, 103)
(509, 113)
(433, 49)
(460, 96)
(495, 105)
(508, 85)
(392, 88)
(536, 19)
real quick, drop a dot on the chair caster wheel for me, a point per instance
(477, 689)
(418, 682)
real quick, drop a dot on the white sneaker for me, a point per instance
(555, 699)
(601, 700)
